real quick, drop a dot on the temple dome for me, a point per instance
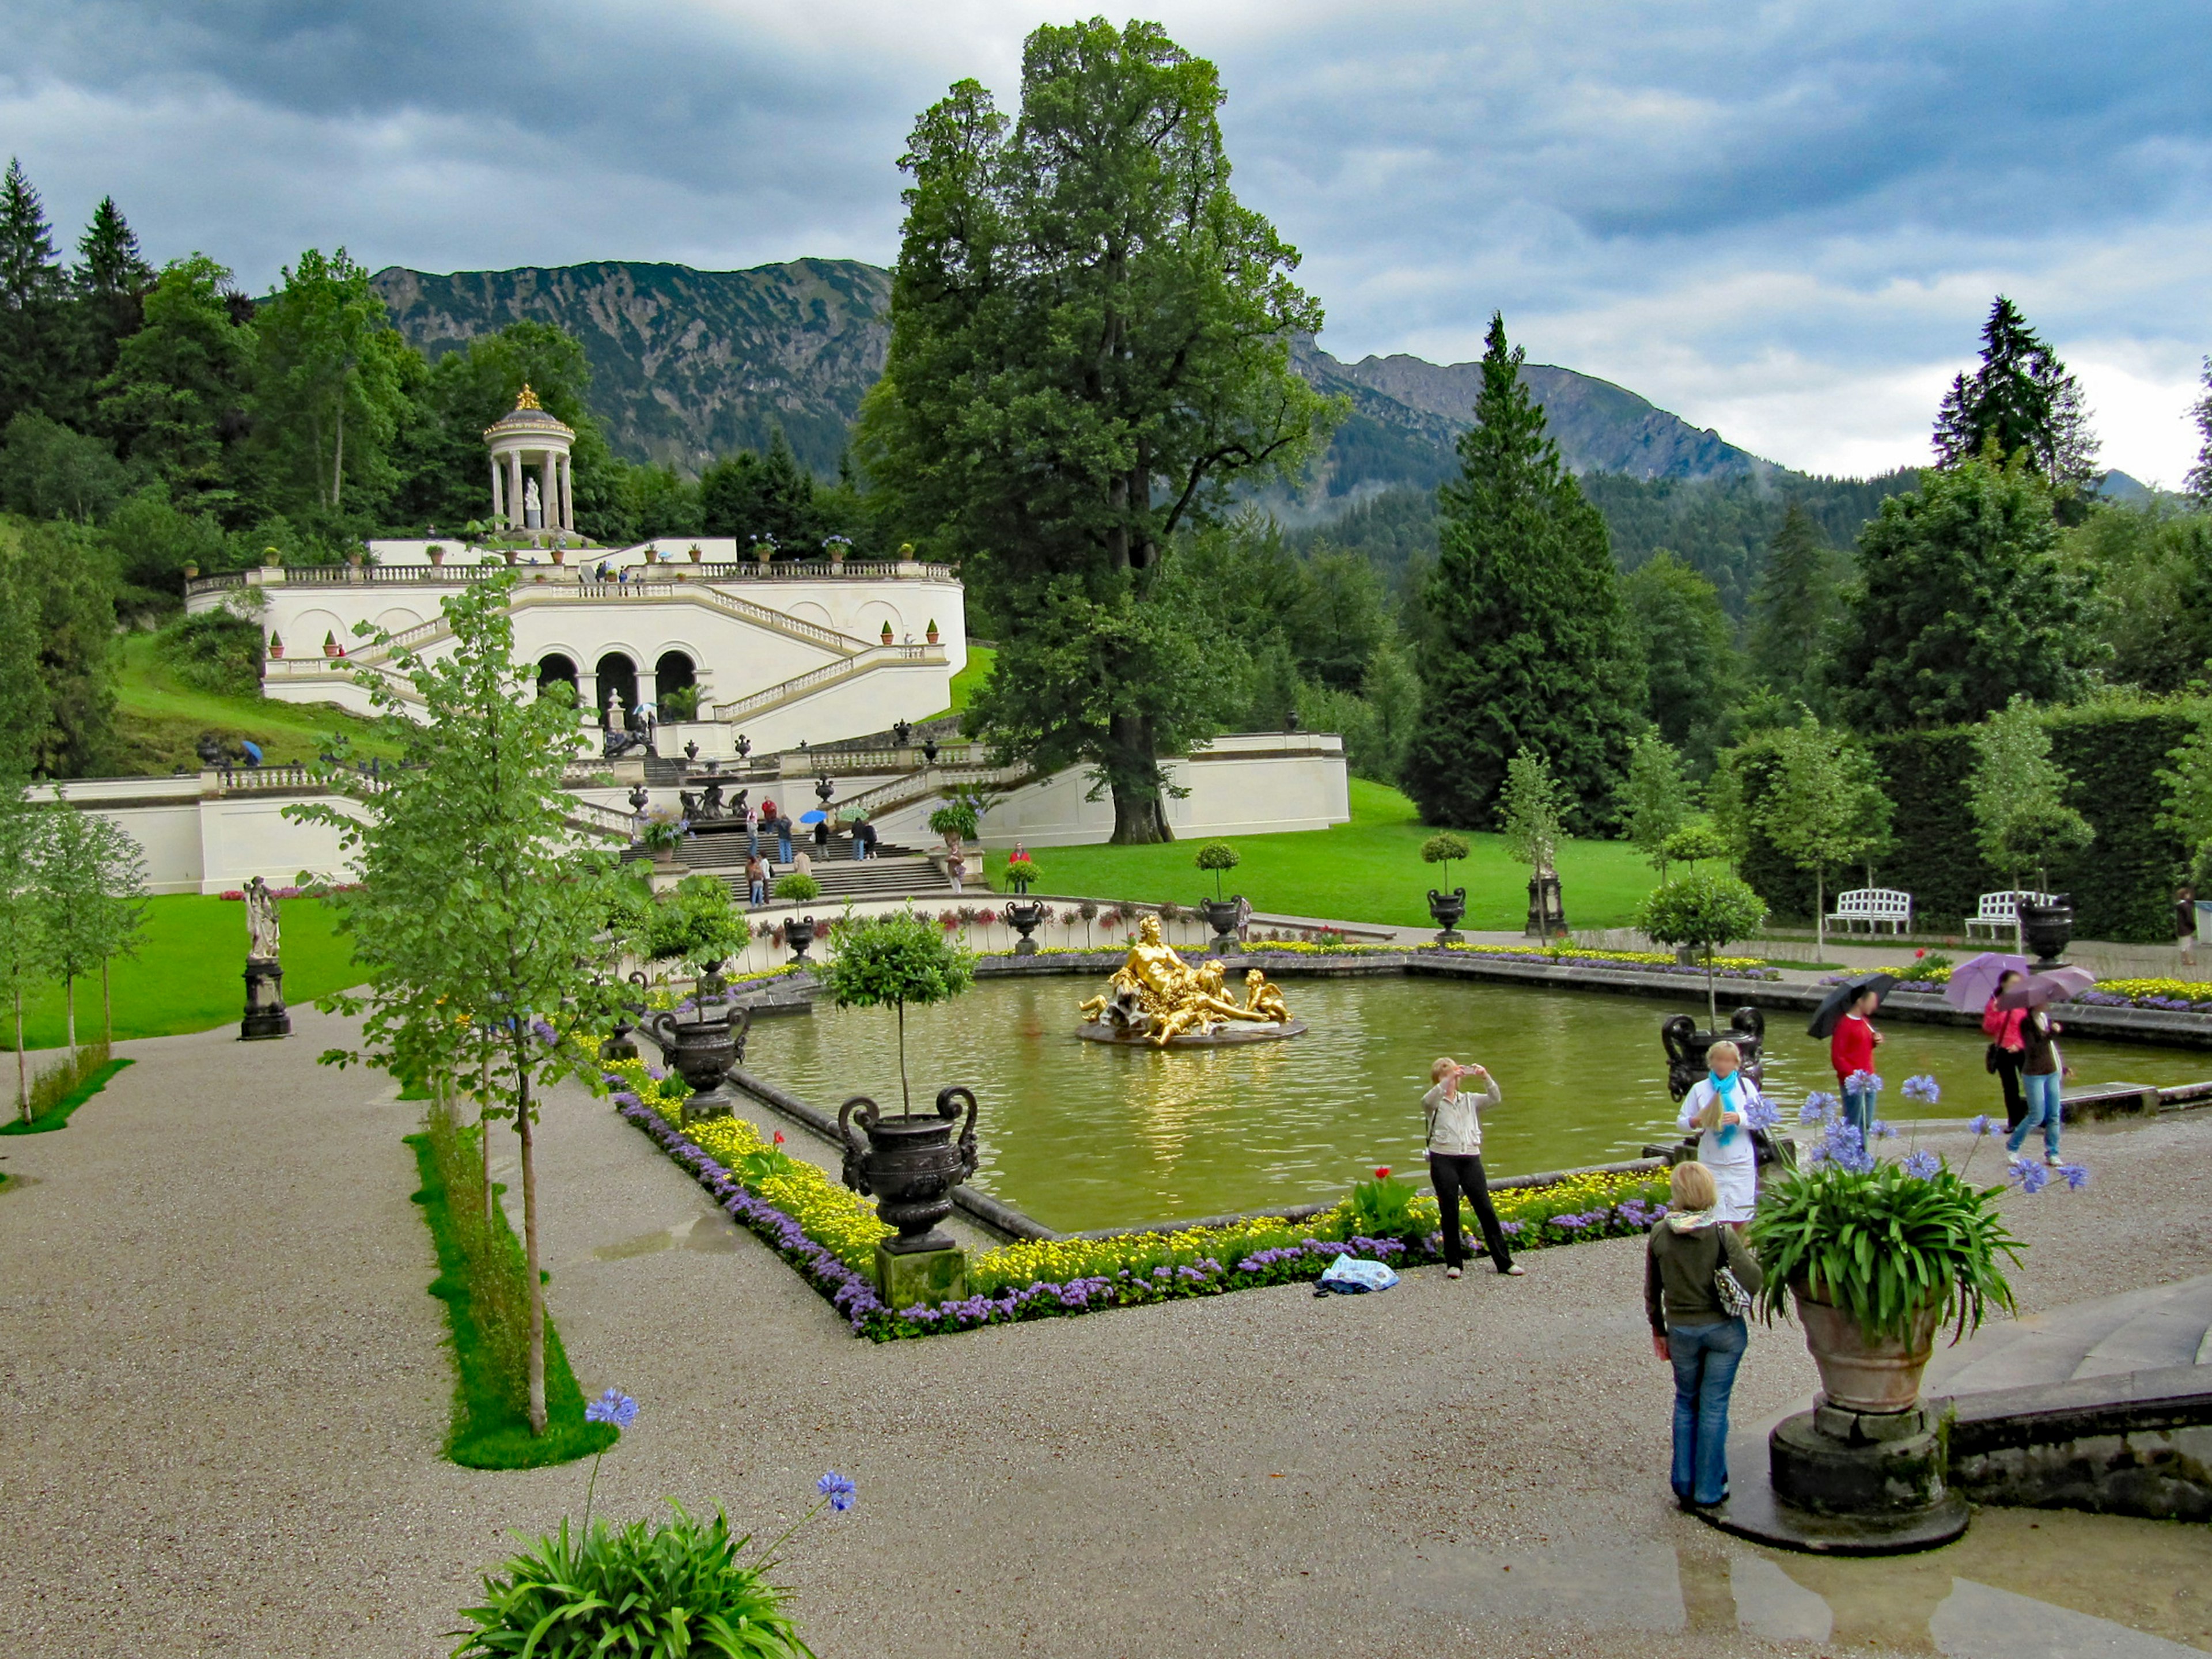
(528, 419)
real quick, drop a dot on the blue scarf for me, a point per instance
(1724, 1087)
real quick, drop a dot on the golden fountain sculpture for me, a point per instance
(1156, 997)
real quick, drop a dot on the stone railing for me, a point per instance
(875, 656)
(579, 572)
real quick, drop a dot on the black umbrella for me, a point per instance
(1837, 1002)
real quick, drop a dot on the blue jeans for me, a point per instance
(784, 843)
(1706, 1357)
(1858, 1107)
(2042, 1107)
(757, 892)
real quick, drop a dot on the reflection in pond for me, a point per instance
(1084, 1134)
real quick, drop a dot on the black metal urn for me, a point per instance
(2048, 929)
(1445, 909)
(909, 1164)
(703, 1042)
(1023, 915)
(823, 789)
(1221, 915)
(799, 934)
(1685, 1048)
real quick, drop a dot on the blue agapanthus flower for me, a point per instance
(839, 1490)
(1884, 1130)
(1981, 1124)
(1761, 1113)
(613, 1406)
(1844, 1146)
(1864, 1083)
(2076, 1176)
(2032, 1178)
(1820, 1106)
(1923, 1088)
(1923, 1166)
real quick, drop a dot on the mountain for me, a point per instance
(690, 364)
(686, 365)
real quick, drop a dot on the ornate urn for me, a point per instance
(1221, 915)
(2048, 929)
(703, 1042)
(1445, 909)
(1686, 1046)
(1023, 915)
(909, 1164)
(799, 934)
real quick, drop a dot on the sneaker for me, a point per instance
(1451, 1273)
(1514, 1271)
(2051, 1158)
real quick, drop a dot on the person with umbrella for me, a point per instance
(1844, 1018)
(1977, 982)
(2042, 1067)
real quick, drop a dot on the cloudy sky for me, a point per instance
(1783, 220)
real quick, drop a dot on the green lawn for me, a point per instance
(158, 718)
(1368, 870)
(187, 976)
(969, 680)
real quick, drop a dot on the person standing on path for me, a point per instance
(1714, 1110)
(1455, 1120)
(756, 880)
(954, 865)
(1693, 1330)
(2040, 1073)
(752, 830)
(2008, 1048)
(2185, 922)
(1850, 1051)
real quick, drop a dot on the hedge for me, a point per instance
(2121, 884)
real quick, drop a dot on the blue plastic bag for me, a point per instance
(1348, 1276)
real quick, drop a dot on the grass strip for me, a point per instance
(57, 1116)
(488, 1432)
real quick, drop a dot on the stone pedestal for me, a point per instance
(1849, 1483)
(905, 1278)
(265, 1014)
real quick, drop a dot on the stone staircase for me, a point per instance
(2164, 1326)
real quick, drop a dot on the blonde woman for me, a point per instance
(1693, 1331)
(1455, 1120)
(1714, 1111)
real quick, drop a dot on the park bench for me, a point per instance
(1874, 906)
(2000, 912)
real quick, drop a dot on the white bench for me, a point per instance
(2000, 912)
(1874, 906)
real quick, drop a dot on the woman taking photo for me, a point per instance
(1714, 1110)
(2007, 1048)
(1693, 1328)
(1455, 1120)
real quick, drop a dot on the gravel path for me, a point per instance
(224, 1396)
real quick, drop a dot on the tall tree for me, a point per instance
(1824, 808)
(177, 395)
(1794, 607)
(33, 296)
(1528, 640)
(1963, 603)
(2198, 484)
(2018, 795)
(1656, 799)
(762, 497)
(61, 581)
(23, 949)
(1531, 812)
(110, 279)
(1089, 352)
(2021, 399)
(1694, 675)
(477, 920)
(331, 382)
(92, 888)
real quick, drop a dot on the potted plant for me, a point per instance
(695, 554)
(694, 924)
(191, 570)
(930, 632)
(1021, 872)
(763, 549)
(331, 646)
(437, 554)
(838, 547)
(1220, 912)
(276, 644)
(665, 831)
(560, 553)
(887, 633)
(1445, 908)
(1874, 1256)
(798, 931)
(1703, 910)
(911, 1162)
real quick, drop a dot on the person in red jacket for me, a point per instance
(1850, 1051)
(2007, 1048)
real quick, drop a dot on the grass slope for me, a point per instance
(1368, 870)
(487, 1433)
(969, 680)
(158, 718)
(187, 974)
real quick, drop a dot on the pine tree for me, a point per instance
(1795, 606)
(109, 264)
(30, 271)
(1528, 643)
(34, 354)
(2020, 398)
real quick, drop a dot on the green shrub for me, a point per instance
(1444, 848)
(1383, 1207)
(694, 923)
(215, 650)
(1218, 856)
(681, 704)
(797, 887)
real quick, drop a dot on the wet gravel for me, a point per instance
(221, 1397)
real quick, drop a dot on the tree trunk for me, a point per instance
(1712, 999)
(529, 1245)
(337, 463)
(1819, 917)
(484, 1137)
(22, 1065)
(906, 1095)
(68, 1002)
(1140, 817)
(107, 1007)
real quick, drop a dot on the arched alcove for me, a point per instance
(618, 675)
(674, 671)
(555, 668)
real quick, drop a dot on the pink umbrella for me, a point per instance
(2054, 986)
(1974, 981)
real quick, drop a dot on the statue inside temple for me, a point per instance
(1156, 996)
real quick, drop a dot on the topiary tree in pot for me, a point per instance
(1445, 909)
(1220, 912)
(1703, 910)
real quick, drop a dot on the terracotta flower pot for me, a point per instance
(1861, 1376)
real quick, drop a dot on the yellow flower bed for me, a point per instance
(1626, 958)
(2180, 990)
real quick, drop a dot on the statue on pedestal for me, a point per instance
(266, 1016)
(1156, 997)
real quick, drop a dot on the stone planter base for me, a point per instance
(1846, 1483)
(904, 1278)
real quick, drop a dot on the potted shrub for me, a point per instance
(665, 831)
(1445, 908)
(1874, 1256)
(437, 554)
(887, 633)
(191, 570)
(695, 554)
(1021, 872)
(930, 633)
(838, 547)
(1703, 910)
(331, 646)
(1220, 912)
(694, 924)
(763, 549)
(276, 645)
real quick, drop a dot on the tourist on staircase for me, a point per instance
(756, 878)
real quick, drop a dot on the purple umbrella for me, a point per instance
(1974, 981)
(2055, 986)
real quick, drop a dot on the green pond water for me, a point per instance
(1081, 1134)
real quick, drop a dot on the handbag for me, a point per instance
(1727, 1289)
(1990, 1060)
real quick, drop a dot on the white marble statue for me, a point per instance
(261, 931)
(531, 503)
(615, 722)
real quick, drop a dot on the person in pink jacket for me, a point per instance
(2007, 1048)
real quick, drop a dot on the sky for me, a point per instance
(1784, 222)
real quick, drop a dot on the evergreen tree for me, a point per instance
(1694, 676)
(762, 497)
(33, 290)
(1964, 603)
(1794, 607)
(1090, 353)
(177, 395)
(2020, 398)
(1528, 643)
(110, 280)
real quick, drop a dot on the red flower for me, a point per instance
(1382, 1172)
(1920, 952)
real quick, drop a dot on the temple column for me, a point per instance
(514, 507)
(498, 495)
(569, 493)
(548, 511)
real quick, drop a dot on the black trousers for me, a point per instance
(1451, 1176)
(2008, 1064)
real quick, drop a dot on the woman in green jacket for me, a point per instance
(1691, 1328)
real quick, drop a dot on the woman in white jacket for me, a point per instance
(1455, 1120)
(1715, 1109)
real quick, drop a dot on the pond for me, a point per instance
(1082, 1134)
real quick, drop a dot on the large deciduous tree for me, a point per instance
(1824, 808)
(177, 395)
(330, 381)
(1964, 603)
(1694, 675)
(1089, 351)
(1527, 640)
(2019, 399)
(2018, 795)
(92, 890)
(57, 645)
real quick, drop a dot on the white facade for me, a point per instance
(201, 835)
